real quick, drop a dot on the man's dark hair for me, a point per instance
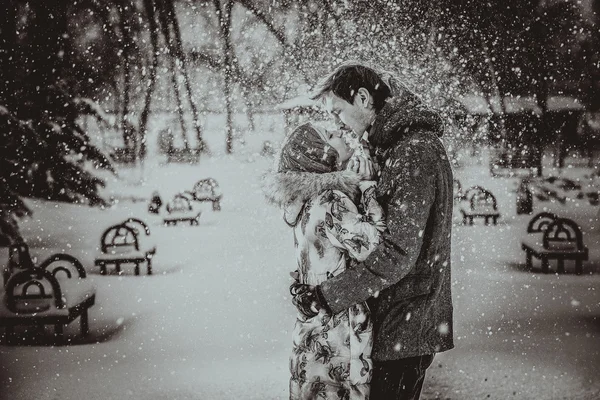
(347, 78)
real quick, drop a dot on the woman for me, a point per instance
(331, 356)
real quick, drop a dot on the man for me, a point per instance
(407, 279)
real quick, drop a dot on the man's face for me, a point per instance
(353, 116)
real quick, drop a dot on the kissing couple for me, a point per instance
(371, 216)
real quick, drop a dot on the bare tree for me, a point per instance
(150, 10)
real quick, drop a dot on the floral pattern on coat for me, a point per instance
(331, 357)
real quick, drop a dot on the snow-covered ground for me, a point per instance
(214, 321)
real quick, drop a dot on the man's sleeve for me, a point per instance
(407, 215)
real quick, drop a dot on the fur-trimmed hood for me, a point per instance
(400, 115)
(290, 190)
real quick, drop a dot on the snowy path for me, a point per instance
(214, 321)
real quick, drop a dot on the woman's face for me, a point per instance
(335, 139)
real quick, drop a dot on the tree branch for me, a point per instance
(260, 15)
(209, 60)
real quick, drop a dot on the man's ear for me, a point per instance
(363, 98)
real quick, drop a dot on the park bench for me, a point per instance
(553, 238)
(550, 191)
(593, 197)
(183, 155)
(559, 189)
(180, 210)
(515, 161)
(563, 189)
(482, 204)
(208, 190)
(590, 190)
(124, 155)
(54, 293)
(120, 245)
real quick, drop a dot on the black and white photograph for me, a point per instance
(299, 200)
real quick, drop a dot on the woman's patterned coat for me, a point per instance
(331, 357)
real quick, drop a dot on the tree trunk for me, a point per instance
(154, 32)
(180, 110)
(246, 96)
(180, 54)
(48, 41)
(125, 15)
(163, 16)
(542, 99)
(228, 52)
(540, 46)
(591, 56)
(251, 116)
(8, 41)
(495, 88)
(47, 54)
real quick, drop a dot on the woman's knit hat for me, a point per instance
(306, 150)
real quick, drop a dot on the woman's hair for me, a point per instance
(305, 150)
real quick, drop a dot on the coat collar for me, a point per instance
(290, 190)
(400, 115)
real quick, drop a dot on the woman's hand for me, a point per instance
(362, 166)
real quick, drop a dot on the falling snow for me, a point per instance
(104, 102)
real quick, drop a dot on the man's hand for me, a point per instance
(362, 166)
(306, 299)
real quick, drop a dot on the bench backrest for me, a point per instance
(563, 233)
(482, 199)
(206, 189)
(32, 291)
(180, 203)
(470, 191)
(64, 264)
(119, 239)
(137, 225)
(540, 222)
(567, 184)
(188, 195)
